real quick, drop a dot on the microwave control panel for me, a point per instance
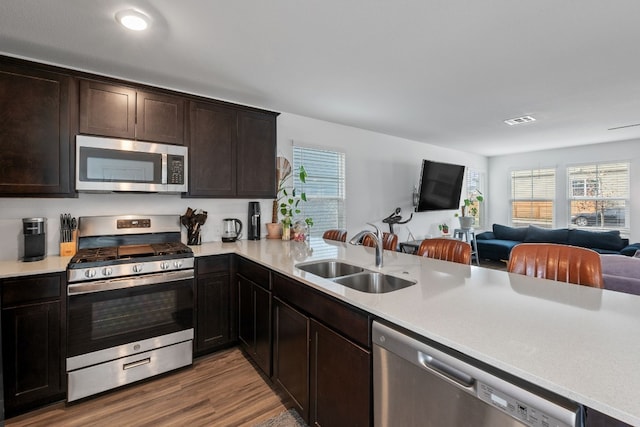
(175, 169)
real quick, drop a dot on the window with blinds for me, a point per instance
(532, 197)
(599, 196)
(324, 187)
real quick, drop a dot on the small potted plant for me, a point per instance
(444, 228)
(470, 205)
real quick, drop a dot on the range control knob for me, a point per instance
(137, 268)
(107, 271)
(178, 263)
(90, 274)
(164, 265)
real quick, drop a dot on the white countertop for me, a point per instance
(579, 342)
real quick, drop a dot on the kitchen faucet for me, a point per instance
(377, 238)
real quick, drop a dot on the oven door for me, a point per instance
(110, 313)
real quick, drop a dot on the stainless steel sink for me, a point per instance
(374, 283)
(355, 277)
(330, 269)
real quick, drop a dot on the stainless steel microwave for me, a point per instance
(108, 164)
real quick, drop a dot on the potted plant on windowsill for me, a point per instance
(283, 173)
(289, 205)
(470, 205)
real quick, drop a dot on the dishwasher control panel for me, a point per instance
(521, 411)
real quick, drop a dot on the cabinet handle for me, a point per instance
(136, 364)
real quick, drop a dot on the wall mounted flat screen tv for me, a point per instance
(440, 186)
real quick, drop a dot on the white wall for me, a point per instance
(500, 168)
(381, 172)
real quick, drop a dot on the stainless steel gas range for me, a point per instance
(129, 302)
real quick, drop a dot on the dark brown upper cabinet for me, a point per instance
(123, 112)
(232, 151)
(212, 150)
(34, 132)
(256, 154)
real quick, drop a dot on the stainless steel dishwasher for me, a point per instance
(416, 384)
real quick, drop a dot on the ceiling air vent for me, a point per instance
(520, 120)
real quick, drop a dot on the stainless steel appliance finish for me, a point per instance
(417, 384)
(108, 164)
(130, 302)
(106, 369)
(126, 245)
(231, 229)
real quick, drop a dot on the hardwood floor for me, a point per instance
(223, 389)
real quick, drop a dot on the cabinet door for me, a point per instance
(262, 299)
(340, 380)
(34, 136)
(246, 315)
(160, 118)
(31, 351)
(107, 110)
(291, 354)
(213, 321)
(256, 154)
(212, 151)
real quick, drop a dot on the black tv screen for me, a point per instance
(440, 186)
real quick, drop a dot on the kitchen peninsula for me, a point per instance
(579, 342)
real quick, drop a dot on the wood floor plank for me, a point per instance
(223, 389)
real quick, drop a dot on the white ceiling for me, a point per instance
(445, 72)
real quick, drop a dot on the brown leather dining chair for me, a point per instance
(338, 234)
(389, 241)
(552, 261)
(446, 250)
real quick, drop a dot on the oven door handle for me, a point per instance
(129, 282)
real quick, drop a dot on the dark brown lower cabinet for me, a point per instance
(291, 354)
(254, 331)
(340, 380)
(213, 304)
(33, 342)
(321, 355)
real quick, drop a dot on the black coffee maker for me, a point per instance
(35, 241)
(253, 232)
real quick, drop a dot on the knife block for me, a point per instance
(69, 248)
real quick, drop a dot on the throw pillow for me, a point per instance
(544, 235)
(503, 232)
(609, 240)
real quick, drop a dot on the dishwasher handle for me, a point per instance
(446, 372)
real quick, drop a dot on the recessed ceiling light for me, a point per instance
(132, 19)
(520, 120)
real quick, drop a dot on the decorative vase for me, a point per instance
(286, 232)
(274, 230)
(466, 222)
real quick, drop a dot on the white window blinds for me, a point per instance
(324, 187)
(532, 197)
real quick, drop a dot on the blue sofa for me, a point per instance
(497, 244)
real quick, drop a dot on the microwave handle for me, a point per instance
(164, 168)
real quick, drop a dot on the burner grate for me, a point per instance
(171, 248)
(95, 254)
